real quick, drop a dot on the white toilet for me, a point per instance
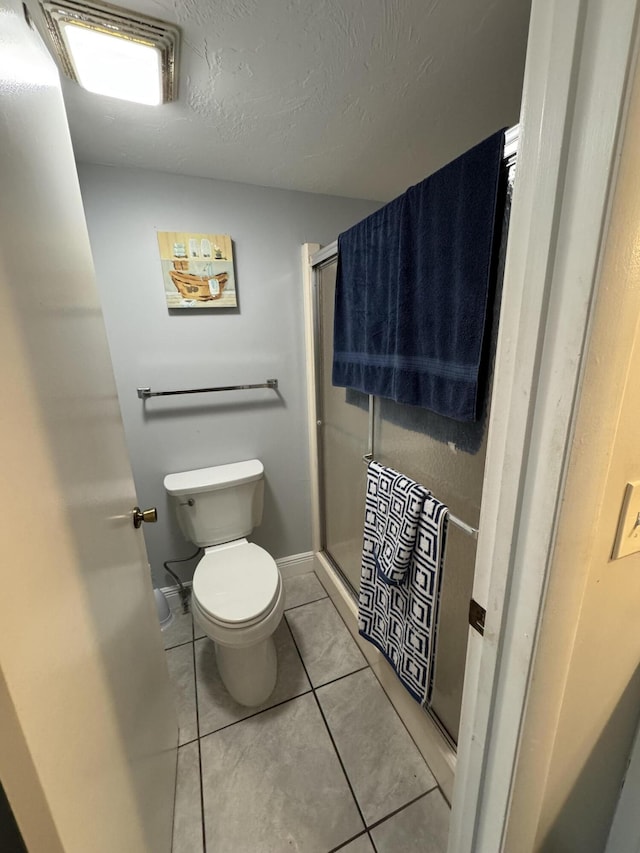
(237, 597)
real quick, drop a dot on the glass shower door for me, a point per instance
(342, 442)
(446, 456)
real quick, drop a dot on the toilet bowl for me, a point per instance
(237, 597)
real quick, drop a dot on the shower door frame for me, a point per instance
(318, 261)
(428, 733)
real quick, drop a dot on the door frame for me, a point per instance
(580, 56)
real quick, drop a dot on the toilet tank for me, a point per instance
(218, 504)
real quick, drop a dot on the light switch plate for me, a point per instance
(628, 535)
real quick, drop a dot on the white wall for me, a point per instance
(263, 338)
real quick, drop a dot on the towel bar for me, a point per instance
(145, 393)
(467, 528)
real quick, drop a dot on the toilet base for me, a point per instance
(248, 672)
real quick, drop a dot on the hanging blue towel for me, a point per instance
(413, 285)
(400, 617)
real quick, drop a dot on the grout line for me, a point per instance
(310, 689)
(187, 742)
(331, 681)
(177, 646)
(195, 687)
(401, 808)
(367, 828)
(304, 603)
(343, 844)
(427, 713)
(175, 794)
(324, 719)
(344, 769)
(340, 677)
(204, 836)
(372, 842)
(388, 698)
(444, 796)
(257, 713)
(403, 725)
(284, 701)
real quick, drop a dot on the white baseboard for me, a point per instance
(174, 590)
(296, 564)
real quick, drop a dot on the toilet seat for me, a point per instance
(236, 586)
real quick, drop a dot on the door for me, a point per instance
(445, 455)
(88, 732)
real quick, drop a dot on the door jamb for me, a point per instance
(579, 57)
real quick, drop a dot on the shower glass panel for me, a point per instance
(447, 457)
(342, 441)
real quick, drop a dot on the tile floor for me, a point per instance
(324, 765)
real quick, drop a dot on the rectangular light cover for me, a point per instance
(113, 51)
(114, 65)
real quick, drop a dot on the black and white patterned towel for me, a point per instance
(393, 506)
(400, 618)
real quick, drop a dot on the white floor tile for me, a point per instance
(382, 762)
(273, 783)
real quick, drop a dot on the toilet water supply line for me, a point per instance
(183, 592)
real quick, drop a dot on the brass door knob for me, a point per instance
(147, 515)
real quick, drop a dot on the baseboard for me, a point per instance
(174, 590)
(296, 564)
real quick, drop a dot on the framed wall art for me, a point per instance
(197, 270)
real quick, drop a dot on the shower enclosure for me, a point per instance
(446, 456)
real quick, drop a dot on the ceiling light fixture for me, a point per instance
(111, 51)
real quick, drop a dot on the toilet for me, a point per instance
(237, 596)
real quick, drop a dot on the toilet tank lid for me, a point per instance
(216, 477)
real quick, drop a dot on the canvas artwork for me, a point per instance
(197, 270)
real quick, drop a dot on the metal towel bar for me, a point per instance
(467, 528)
(145, 393)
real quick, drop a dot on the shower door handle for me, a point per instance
(147, 515)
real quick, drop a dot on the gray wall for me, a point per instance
(263, 338)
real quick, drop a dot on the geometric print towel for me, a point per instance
(393, 506)
(400, 618)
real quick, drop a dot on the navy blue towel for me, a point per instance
(412, 289)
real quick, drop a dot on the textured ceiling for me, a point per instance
(356, 98)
